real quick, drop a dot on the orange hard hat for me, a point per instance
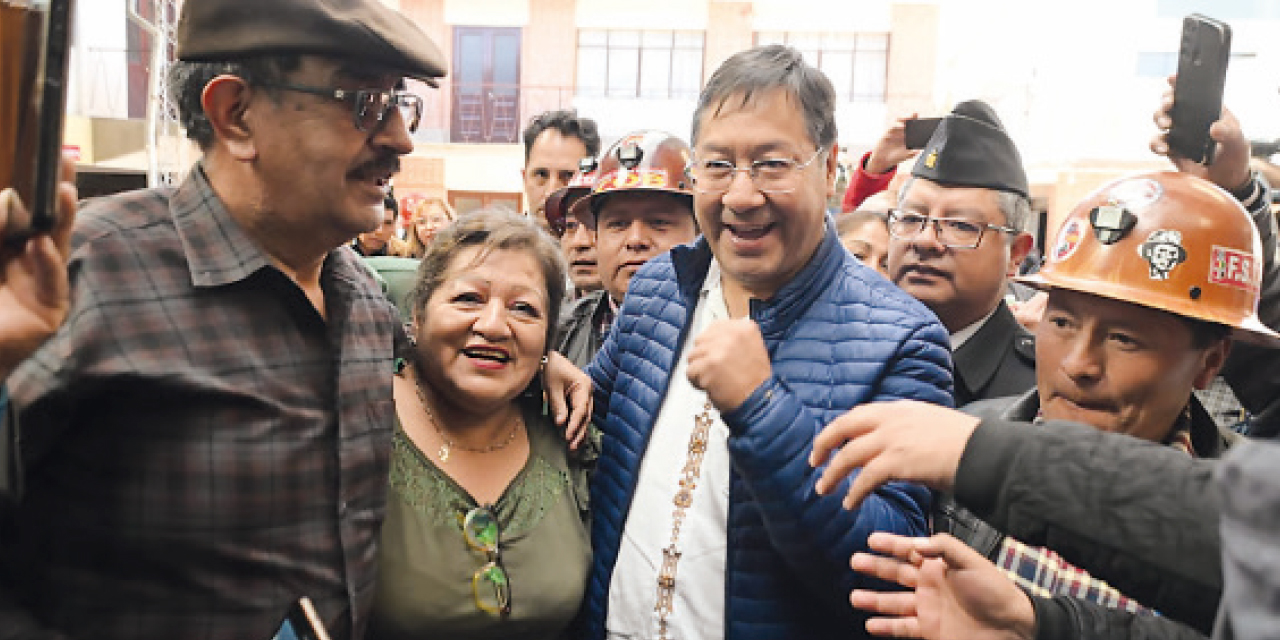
(645, 160)
(1168, 241)
(556, 208)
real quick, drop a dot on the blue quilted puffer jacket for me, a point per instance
(838, 335)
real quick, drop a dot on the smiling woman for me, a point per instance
(485, 533)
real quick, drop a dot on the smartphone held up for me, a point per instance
(34, 42)
(1197, 96)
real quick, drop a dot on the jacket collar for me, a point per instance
(794, 298)
(979, 358)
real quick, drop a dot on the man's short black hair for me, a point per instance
(569, 124)
(389, 202)
(1205, 334)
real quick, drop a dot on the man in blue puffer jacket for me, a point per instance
(726, 359)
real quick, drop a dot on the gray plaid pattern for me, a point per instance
(201, 447)
(1223, 406)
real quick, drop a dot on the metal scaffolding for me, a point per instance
(167, 150)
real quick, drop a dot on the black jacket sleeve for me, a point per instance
(1141, 516)
(1065, 618)
(1249, 488)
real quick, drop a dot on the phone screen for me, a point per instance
(916, 132)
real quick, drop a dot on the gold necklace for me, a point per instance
(447, 446)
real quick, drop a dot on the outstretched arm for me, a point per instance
(1100, 512)
(954, 593)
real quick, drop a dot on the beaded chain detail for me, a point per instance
(683, 499)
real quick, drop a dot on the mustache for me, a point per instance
(382, 165)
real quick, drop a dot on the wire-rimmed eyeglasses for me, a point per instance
(369, 107)
(956, 233)
(769, 175)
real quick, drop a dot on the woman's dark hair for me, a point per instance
(493, 229)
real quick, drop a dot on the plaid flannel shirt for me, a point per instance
(201, 447)
(1043, 573)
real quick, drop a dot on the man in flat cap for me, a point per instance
(957, 236)
(206, 438)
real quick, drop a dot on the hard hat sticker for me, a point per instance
(1234, 268)
(1136, 194)
(1163, 252)
(641, 179)
(1069, 238)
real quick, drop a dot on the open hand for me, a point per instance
(955, 593)
(904, 440)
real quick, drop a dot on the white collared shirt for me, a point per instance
(962, 336)
(698, 603)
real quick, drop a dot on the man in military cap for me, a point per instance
(206, 438)
(955, 239)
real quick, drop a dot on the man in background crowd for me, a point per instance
(381, 241)
(555, 143)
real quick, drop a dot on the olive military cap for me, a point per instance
(362, 30)
(970, 148)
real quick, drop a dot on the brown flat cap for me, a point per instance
(363, 30)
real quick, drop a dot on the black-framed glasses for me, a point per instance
(369, 107)
(769, 175)
(490, 584)
(956, 233)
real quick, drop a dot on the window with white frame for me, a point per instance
(856, 63)
(622, 63)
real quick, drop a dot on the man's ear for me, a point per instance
(1213, 359)
(225, 101)
(833, 168)
(1018, 251)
